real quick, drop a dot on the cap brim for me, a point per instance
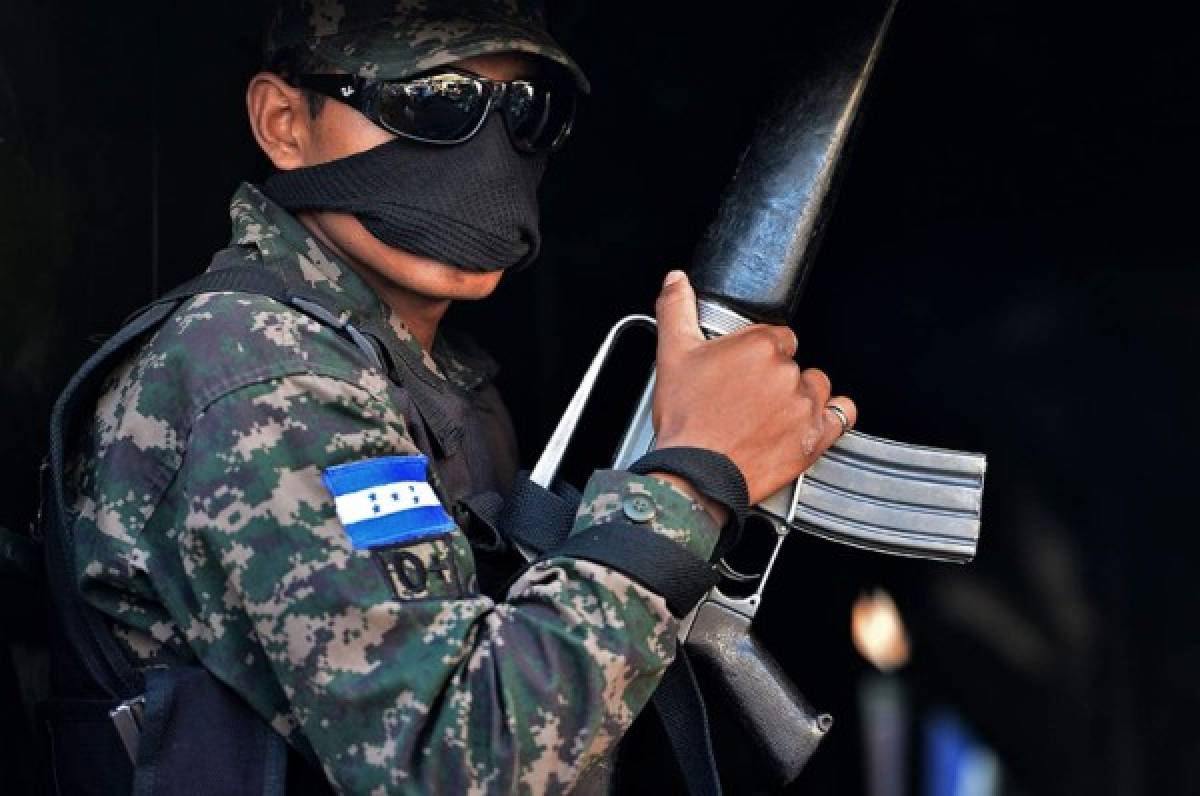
(387, 52)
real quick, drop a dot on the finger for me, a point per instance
(781, 338)
(833, 425)
(817, 383)
(678, 324)
(787, 341)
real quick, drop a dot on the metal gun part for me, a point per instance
(865, 491)
(127, 718)
(868, 492)
(736, 669)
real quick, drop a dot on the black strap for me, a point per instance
(198, 736)
(536, 518)
(231, 276)
(427, 396)
(662, 565)
(230, 273)
(83, 753)
(484, 530)
(681, 709)
(85, 629)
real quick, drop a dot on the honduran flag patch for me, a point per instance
(387, 501)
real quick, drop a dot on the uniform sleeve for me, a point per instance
(399, 676)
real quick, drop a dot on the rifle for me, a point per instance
(869, 492)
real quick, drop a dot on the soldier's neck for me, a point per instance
(421, 313)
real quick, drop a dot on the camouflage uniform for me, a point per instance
(206, 534)
(398, 38)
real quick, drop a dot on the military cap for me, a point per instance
(397, 38)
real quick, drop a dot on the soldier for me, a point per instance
(258, 496)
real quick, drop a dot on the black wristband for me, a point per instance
(712, 474)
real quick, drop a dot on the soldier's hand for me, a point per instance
(741, 395)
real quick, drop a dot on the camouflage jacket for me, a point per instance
(205, 531)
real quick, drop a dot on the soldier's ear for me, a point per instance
(280, 120)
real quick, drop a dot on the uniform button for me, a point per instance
(638, 508)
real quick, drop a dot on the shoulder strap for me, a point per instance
(231, 276)
(680, 707)
(86, 631)
(94, 647)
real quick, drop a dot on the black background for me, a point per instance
(1011, 268)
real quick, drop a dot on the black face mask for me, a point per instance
(472, 205)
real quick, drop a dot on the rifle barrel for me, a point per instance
(756, 255)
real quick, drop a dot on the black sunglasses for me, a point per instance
(448, 106)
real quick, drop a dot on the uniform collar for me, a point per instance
(284, 244)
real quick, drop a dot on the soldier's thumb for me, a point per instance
(678, 325)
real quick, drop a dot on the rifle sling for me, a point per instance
(680, 707)
(660, 564)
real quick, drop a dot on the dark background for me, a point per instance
(1012, 268)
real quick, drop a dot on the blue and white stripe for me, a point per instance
(387, 501)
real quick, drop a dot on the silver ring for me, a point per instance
(841, 416)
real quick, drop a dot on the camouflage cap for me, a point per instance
(398, 38)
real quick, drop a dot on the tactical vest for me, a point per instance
(187, 732)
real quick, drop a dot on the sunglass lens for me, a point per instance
(539, 115)
(443, 107)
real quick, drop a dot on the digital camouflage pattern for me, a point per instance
(389, 39)
(205, 532)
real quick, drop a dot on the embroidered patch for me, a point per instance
(387, 501)
(422, 570)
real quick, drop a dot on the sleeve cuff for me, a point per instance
(615, 496)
